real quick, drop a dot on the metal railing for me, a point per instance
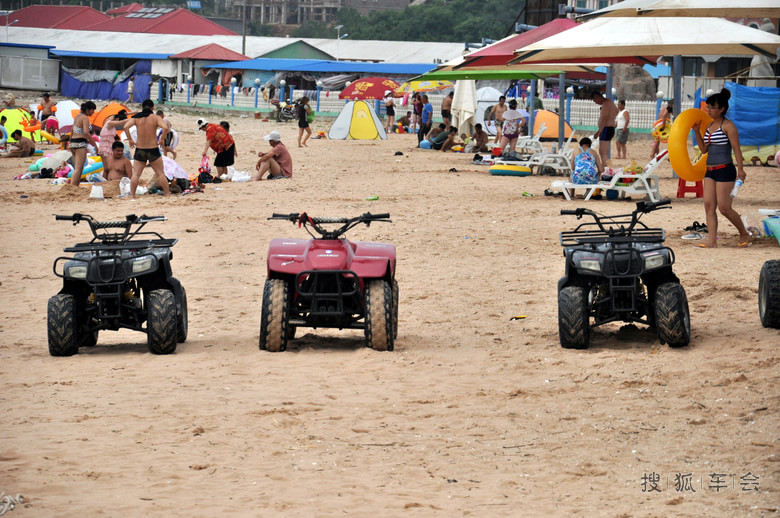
(583, 113)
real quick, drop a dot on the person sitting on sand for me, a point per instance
(116, 165)
(452, 140)
(479, 143)
(435, 132)
(406, 121)
(277, 162)
(24, 146)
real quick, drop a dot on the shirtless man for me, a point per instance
(606, 125)
(480, 139)
(45, 111)
(496, 113)
(116, 166)
(24, 146)
(446, 109)
(146, 148)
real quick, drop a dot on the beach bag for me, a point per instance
(204, 171)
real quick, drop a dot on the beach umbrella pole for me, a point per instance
(531, 109)
(561, 90)
(677, 79)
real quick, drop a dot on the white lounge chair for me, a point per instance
(645, 184)
(532, 144)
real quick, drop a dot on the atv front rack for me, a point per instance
(138, 244)
(590, 234)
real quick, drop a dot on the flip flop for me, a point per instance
(745, 245)
(693, 227)
(701, 245)
(693, 235)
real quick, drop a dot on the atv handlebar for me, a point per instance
(105, 237)
(307, 221)
(622, 224)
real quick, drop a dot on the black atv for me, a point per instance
(617, 269)
(117, 280)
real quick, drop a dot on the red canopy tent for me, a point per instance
(499, 54)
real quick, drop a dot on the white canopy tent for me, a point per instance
(610, 38)
(677, 8)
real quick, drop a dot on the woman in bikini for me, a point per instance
(720, 138)
(80, 138)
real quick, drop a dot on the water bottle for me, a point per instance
(737, 185)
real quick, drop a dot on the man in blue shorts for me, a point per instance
(427, 119)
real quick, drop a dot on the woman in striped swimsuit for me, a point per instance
(718, 142)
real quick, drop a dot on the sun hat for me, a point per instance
(202, 123)
(274, 135)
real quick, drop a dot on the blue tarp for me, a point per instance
(107, 90)
(324, 66)
(755, 111)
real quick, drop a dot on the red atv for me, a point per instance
(328, 281)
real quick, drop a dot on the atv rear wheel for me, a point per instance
(275, 316)
(671, 315)
(161, 322)
(573, 318)
(182, 321)
(62, 325)
(379, 316)
(769, 294)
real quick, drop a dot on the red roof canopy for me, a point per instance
(212, 51)
(163, 20)
(124, 9)
(73, 17)
(501, 52)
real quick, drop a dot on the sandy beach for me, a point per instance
(473, 414)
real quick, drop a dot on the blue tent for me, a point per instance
(755, 111)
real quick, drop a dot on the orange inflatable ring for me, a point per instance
(30, 129)
(678, 145)
(661, 130)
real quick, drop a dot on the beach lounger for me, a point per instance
(532, 144)
(645, 184)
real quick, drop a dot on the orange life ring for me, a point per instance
(30, 129)
(691, 171)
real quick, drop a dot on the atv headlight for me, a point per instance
(590, 264)
(142, 264)
(654, 261)
(77, 272)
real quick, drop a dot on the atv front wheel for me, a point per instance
(275, 316)
(62, 325)
(182, 321)
(671, 315)
(573, 318)
(395, 309)
(379, 316)
(769, 294)
(161, 322)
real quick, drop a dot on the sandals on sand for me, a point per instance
(696, 227)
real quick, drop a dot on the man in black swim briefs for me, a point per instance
(606, 125)
(147, 149)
